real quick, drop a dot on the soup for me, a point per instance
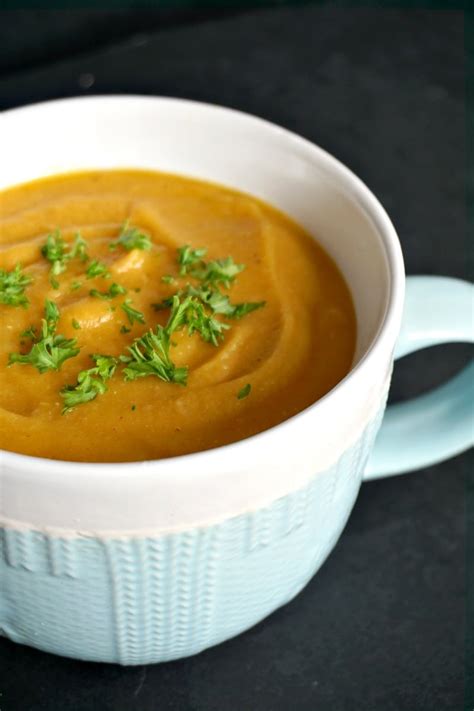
(147, 315)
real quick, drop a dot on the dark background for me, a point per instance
(382, 625)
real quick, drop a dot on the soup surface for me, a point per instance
(244, 344)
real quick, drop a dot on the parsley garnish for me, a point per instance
(132, 314)
(217, 302)
(215, 272)
(188, 257)
(96, 269)
(90, 382)
(49, 351)
(113, 291)
(76, 324)
(57, 252)
(240, 310)
(30, 332)
(244, 392)
(12, 287)
(149, 355)
(219, 271)
(168, 279)
(220, 303)
(76, 285)
(193, 308)
(196, 319)
(79, 249)
(131, 238)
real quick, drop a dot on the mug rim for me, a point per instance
(390, 320)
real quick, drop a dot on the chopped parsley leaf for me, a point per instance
(96, 269)
(57, 252)
(30, 332)
(132, 314)
(113, 291)
(49, 350)
(90, 382)
(149, 355)
(244, 392)
(219, 271)
(168, 279)
(215, 272)
(12, 287)
(79, 249)
(188, 257)
(131, 238)
(217, 302)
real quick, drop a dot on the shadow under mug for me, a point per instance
(151, 561)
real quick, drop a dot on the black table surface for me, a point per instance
(382, 625)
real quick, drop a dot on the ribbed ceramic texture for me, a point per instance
(140, 600)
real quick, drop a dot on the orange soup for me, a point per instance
(146, 315)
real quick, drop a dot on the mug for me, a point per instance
(149, 561)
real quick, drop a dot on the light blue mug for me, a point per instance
(149, 561)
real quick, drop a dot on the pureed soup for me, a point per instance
(145, 315)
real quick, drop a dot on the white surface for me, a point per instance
(301, 179)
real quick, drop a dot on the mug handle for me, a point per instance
(438, 424)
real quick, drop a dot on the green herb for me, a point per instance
(219, 271)
(131, 238)
(220, 303)
(76, 324)
(149, 355)
(96, 269)
(188, 257)
(168, 279)
(244, 308)
(213, 299)
(196, 319)
(132, 314)
(125, 329)
(133, 408)
(244, 392)
(113, 291)
(49, 351)
(29, 333)
(12, 287)
(193, 304)
(79, 249)
(57, 252)
(90, 382)
(76, 285)
(51, 313)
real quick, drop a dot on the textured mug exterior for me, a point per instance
(139, 600)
